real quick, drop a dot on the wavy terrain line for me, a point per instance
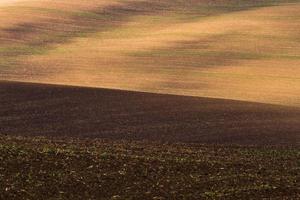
(246, 51)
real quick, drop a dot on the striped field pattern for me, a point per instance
(232, 49)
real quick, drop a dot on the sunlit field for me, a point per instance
(243, 50)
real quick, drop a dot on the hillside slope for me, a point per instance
(243, 50)
(48, 110)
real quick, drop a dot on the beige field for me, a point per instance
(247, 51)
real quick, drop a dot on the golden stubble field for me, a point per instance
(227, 49)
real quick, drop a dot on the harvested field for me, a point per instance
(232, 49)
(149, 99)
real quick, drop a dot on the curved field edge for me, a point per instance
(53, 110)
(243, 50)
(39, 168)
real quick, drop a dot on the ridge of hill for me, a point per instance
(63, 111)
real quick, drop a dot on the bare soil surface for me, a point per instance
(37, 168)
(62, 111)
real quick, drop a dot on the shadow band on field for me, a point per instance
(58, 111)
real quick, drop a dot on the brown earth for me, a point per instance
(37, 168)
(50, 110)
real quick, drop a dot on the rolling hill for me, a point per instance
(149, 99)
(232, 49)
(65, 111)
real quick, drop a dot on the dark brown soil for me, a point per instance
(47, 110)
(37, 168)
